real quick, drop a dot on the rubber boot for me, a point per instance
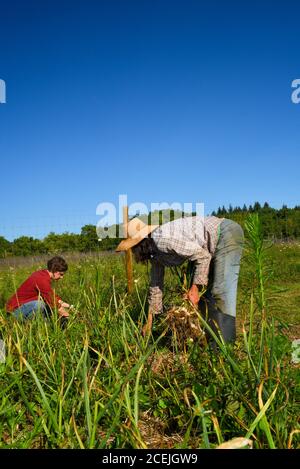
(224, 324)
(218, 321)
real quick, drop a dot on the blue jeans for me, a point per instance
(31, 309)
(221, 295)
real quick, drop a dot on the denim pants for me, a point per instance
(31, 309)
(221, 295)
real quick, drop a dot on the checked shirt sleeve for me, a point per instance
(156, 287)
(202, 262)
(200, 256)
(190, 250)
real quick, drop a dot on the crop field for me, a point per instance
(97, 383)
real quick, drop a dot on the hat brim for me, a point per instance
(128, 243)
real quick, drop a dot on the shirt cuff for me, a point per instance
(155, 300)
(201, 273)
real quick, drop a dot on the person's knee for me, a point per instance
(42, 309)
(40, 306)
(18, 314)
(34, 308)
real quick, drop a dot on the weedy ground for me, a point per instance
(99, 384)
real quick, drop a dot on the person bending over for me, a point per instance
(213, 244)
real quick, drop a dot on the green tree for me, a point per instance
(89, 238)
(56, 243)
(27, 245)
(5, 247)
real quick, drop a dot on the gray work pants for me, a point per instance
(219, 303)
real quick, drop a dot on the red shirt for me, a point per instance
(38, 285)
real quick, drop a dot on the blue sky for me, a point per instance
(176, 101)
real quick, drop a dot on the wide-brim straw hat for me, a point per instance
(137, 230)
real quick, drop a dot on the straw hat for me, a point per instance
(136, 230)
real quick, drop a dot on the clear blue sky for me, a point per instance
(186, 101)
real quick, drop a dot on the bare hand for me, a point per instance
(64, 305)
(62, 312)
(193, 295)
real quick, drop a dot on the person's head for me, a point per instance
(144, 250)
(137, 231)
(57, 267)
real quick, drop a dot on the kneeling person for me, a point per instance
(36, 295)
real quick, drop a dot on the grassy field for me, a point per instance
(99, 384)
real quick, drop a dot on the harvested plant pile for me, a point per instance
(185, 325)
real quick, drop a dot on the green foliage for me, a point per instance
(25, 246)
(256, 252)
(5, 247)
(88, 239)
(56, 243)
(100, 384)
(282, 224)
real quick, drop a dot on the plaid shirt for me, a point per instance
(190, 238)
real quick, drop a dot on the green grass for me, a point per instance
(100, 384)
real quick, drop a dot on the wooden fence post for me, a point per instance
(128, 253)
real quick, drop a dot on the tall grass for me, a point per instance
(99, 384)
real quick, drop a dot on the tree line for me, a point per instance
(53, 243)
(278, 224)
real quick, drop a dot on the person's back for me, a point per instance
(34, 287)
(193, 229)
(35, 294)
